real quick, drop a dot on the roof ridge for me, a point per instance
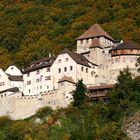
(94, 31)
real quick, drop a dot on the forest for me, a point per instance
(31, 29)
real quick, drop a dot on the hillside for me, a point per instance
(30, 29)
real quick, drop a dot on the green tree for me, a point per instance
(79, 93)
(138, 64)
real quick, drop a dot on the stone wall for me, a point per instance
(17, 106)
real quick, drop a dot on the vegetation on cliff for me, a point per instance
(30, 29)
(101, 120)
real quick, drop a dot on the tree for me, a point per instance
(138, 64)
(79, 93)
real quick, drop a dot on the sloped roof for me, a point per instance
(66, 78)
(100, 87)
(15, 77)
(95, 31)
(42, 63)
(14, 89)
(78, 58)
(126, 45)
(95, 43)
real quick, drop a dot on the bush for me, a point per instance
(4, 120)
(43, 112)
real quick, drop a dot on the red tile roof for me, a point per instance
(95, 43)
(95, 31)
(66, 78)
(78, 58)
(126, 45)
(100, 87)
(42, 63)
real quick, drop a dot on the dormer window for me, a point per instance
(40, 63)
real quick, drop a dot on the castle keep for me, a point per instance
(51, 81)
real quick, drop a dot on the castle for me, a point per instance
(51, 81)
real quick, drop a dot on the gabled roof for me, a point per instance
(126, 45)
(78, 58)
(95, 31)
(66, 78)
(42, 63)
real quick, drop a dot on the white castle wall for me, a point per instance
(87, 74)
(118, 63)
(17, 106)
(4, 81)
(83, 45)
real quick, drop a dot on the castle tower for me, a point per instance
(94, 44)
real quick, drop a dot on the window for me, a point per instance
(65, 69)
(66, 60)
(81, 41)
(28, 74)
(59, 70)
(40, 87)
(28, 82)
(71, 68)
(47, 87)
(86, 40)
(86, 70)
(47, 78)
(37, 72)
(59, 61)
(37, 80)
(62, 84)
(48, 69)
(2, 84)
(29, 90)
(92, 73)
(82, 69)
